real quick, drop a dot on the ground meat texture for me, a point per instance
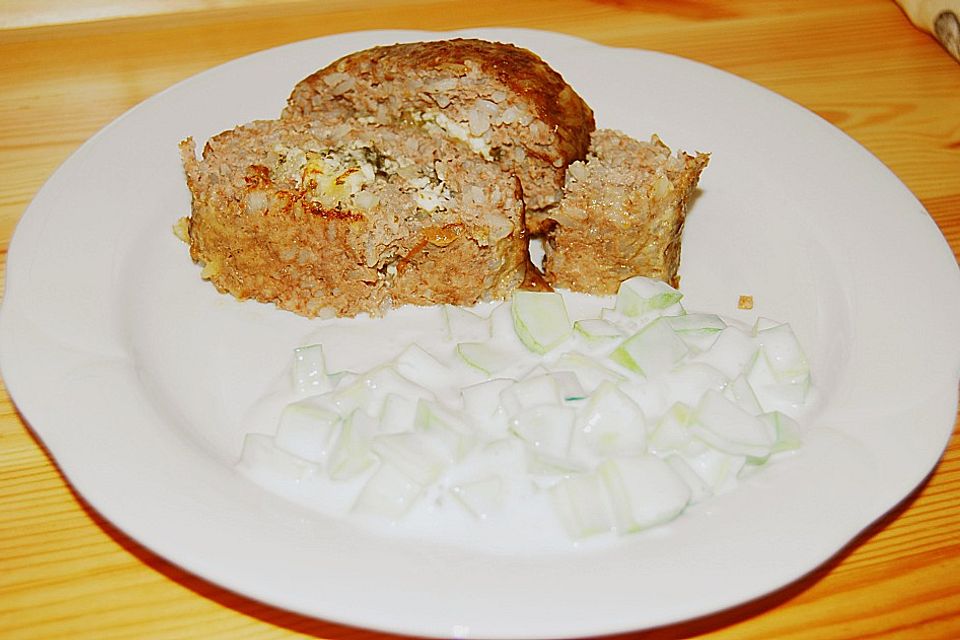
(338, 220)
(621, 215)
(415, 174)
(503, 103)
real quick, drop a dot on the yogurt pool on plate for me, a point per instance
(545, 421)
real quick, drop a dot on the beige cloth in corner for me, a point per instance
(938, 17)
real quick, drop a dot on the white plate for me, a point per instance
(137, 376)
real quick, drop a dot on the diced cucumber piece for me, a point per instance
(546, 470)
(483, 401)
(413, 454)
(398, 413)
(697, 330)
(483, 398)
(597, 330)
(465, 326)
(690, 380)
(672, 432)
(307, 430)
(624, 323)
(787, 431)
(732, 352)
(352, 455)
(772, 391)
(611, 423)
(386, 380)
(505, 457)
(590, 373)
(370, 390)
(309, 370)
(569, 385)
(341, 378)
(698, 488)
(779, 374)
(728, 428)
(448, 429)
(388, 493)
(697, 323)
(530, 392)
(540, 320)
(263, 459)
(348, 398)
(644, 491)
(546, 429)
(784, 354)
(581, 503)
(488, 357)
(482, 497)
(762, 323)
(652, 350)
(421, 368)
(640, 295)
(741, 393)
(717, 469)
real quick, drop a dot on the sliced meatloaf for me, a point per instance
(621, 215)
(338, 220)
(502, 102)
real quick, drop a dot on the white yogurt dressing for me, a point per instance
(511, 427)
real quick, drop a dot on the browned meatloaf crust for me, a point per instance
(621, 215)
(501, 101)
(338, 220)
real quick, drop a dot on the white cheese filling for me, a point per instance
(441, 123)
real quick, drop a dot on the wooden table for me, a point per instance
(68, 68)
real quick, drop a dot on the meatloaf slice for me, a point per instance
(339, 220)
(621, 215)
(503, 102)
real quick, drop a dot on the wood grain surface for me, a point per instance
(69, 68)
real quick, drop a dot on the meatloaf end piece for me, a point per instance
(503, 102)
(335, 221)
(621, 215)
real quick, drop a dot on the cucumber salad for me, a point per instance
(603, 416)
